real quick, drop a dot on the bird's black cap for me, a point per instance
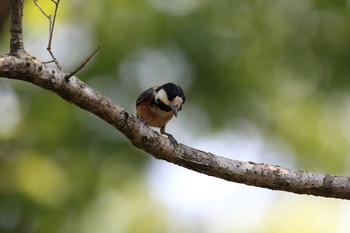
(173, 90)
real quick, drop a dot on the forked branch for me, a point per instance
(29, 69)
(141, 136)
(52, 21)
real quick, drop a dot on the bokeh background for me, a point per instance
(266, 81)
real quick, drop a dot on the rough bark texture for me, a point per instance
(16, 41)
(28, 69)
(21, 66)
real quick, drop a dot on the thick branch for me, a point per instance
(16, 41)
(256, 174)
(20, 65)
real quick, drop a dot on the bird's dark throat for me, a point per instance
(162, 106)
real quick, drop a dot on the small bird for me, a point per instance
(157, 105)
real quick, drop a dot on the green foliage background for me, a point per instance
(280, 66)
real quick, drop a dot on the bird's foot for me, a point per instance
(172, 140)
(143, 122)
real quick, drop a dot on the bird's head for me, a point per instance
(172, 96)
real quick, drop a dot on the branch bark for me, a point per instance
(16, 40)
(273, 177)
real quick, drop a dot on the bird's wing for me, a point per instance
(145, 95)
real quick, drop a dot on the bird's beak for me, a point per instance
(175, 110)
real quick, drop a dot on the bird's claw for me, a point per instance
(143, 122)
(172, 140)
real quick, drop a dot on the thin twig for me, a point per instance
(51, 29)
(86, 60)
(41, 9)
(47, 62)
(51, 33)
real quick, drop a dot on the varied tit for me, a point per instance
(157, 105)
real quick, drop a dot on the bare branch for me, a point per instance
(16, 41)
(86, 60)
(42, 11)
(48, 62)
(20, 65)
(52, 21)
(141, 136)
(51, 34)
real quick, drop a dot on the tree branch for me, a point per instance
(257, 174)
(52, 21)
(28, 69)
(16, 40)
(82, 64)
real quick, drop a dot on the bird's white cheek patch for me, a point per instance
(177, 101)
(161, 95)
